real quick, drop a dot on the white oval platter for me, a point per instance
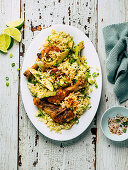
(92, 59)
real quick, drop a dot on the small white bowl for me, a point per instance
(110, 113)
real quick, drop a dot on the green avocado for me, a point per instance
(42, 79)
(62, 56)
(40, 92)
(78, 49)
(44, 64)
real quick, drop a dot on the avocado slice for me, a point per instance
(62, 56)
(42, 79)
(43, 64)
(78, 49)
(40, 91)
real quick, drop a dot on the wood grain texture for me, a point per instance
(92, 150)
(9, 10)
(35, 150)
(109, 155)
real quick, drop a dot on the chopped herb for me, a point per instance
(74, 120)
(117, 120)
(89, 97)
(83, 107)
(70, 52)
(66, 82)
(88, 70)
(96, 86)
(10, 55)
(7, 84)
(111, 130)
(61, 84)
(34, 82)
(55, 88)
(77, 121)
(13, 64)
(30, 80)
(35, 95)
(124, 123)
(88, 74)
(82, 90)
(41, 114)
(7, 78)
(37, 74)
(53, 74)
(68, 48)
(124, 130)
(72, 61)
(48, 39)
(55, 64)
(58, 84)
(44, 77)
(74, 81)
(95, 74)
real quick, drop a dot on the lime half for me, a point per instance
(17, 24)
(5, 42)
(13, 32)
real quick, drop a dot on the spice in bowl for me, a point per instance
(118, 125)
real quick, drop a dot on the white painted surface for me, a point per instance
(35, 150)
(110, 155)
(9, 10)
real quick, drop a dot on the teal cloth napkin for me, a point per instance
(116, 46)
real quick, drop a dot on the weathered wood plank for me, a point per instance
(35, 150)
(109, 155)
(9, 10)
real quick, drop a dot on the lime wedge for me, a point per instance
(5, 42)
(17, 24)
(13, 32)
(11, 44)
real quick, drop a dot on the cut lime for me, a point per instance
(5, 42)
(11, 44)
(17, 24)
(13, 32)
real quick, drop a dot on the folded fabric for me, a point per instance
(116, 46)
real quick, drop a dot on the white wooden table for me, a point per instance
(21, 145)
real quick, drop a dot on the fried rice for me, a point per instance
(78, 101)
